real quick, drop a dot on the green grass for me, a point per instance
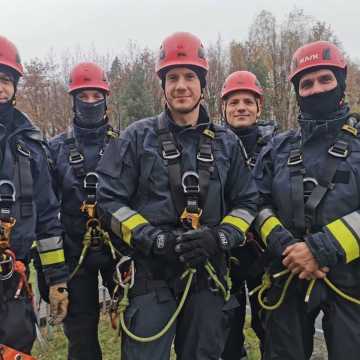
(57, 343)
(56, 348)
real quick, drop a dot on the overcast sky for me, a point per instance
(36, 26)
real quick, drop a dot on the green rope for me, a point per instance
(124, 303)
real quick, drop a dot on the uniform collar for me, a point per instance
(313, 127)
(203, 122)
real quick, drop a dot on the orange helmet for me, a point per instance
(88, 75)
(318, 53)
(242, 80)
(9, 56)
(181, 49)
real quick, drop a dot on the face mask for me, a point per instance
(90, 115)
(322, 104)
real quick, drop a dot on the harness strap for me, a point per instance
(25, 180)
(337, 152)
(297, 172)
(76, 158)
(172, 155)
(191, 196)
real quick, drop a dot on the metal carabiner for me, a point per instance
(130, 274)
(5, 262)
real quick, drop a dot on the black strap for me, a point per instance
(76, 158)
(25, 180)
(172, 155)
(205, 163)
(337, 153)
(187, 196)
(304, 212)
(297, 173)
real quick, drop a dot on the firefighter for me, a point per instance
(309, 184)
(242, 102)
(28, 210)
(88, 250)
(177, 190)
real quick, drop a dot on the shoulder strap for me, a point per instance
(297, 173)
(338, 151)
(172, 155)
(182, 195)
(25, 179)
(76, 158)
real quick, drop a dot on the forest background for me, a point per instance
(135, 89)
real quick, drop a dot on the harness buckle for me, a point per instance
(313, 183)
(295, 157)
(91, 181)
(339, 149)
(188, 185)
(76, 158)
(10, 195)
(22, 150)
(170, 151)
(251, 161)
(191, 218)
(205, 157)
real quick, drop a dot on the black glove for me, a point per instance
(196, 246)
(164, 246)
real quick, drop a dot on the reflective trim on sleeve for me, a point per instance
(52, 257)
(236, 222)
(49, 244)
(268, 226)
(243, 214)
(118, 217)
(262, 216)
(346, 236)
(129, 225)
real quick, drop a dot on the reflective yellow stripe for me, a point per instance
(130, 224)
(268, 226)
(237, 222)
(52, 257)
(346, 239)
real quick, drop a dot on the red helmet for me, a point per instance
(242, 80)
(88, 75)
(318, 53)
(181, 48)
(9, 56)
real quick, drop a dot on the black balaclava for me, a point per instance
(201, 74)
(322, 104)
(14, 76)
(89, 115)
(248, 136)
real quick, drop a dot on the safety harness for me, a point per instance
(8, 196)
(305, 201)
(308, 192)
(95, 237)
(189, 192)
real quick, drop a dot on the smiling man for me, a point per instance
(242, 101)
(177, 190)
(309, 184)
